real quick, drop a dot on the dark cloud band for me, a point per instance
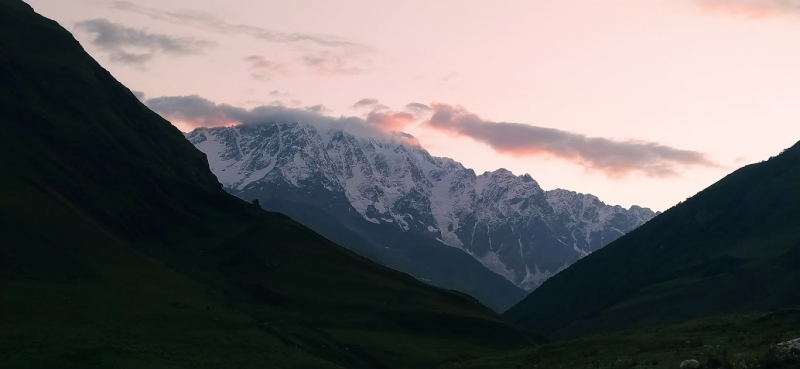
(366, 103)
(118, 40)
(196, 111)
(321, 55)
(612, 157)
(210, 23)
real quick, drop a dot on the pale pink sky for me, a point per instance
(720, 77)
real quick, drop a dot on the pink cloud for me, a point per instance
(192, 111)
(390, 121)
(614, 158)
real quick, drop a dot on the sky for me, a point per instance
(640, 102)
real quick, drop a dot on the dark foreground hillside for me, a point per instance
(732, 248)
(118, 248)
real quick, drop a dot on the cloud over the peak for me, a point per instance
(195, 111)
(612, 157)
(390, 121)
(752, 8)
(137, 46)
(384, 118)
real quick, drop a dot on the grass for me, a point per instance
(741, 341)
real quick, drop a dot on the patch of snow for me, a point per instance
(492, 261)
(579, 251)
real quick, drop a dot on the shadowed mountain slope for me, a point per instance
(492, 235)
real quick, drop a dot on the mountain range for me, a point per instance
(389, 193)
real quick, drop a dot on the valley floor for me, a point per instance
(730, 342)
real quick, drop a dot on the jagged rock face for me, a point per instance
(507, 222)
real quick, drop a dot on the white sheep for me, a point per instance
(790, 345)
(690, 364)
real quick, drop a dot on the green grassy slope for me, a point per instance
(734, 247)
(739, 341)
(118, 247)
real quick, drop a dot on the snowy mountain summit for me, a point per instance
(507, 222)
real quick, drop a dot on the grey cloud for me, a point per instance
(612, 157)
(279, 93)
(366, 103)
(753, 8)
(318, 109)
(266, 70)
(139, 94)
(130, 58)
(323, 55)
(415, 106)
(200, 112)
(196, 110)
(259, 62)
(417, 109)
(325, 63)
(261, 77)
(370, 103)
(118, 40)
(210, 23)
